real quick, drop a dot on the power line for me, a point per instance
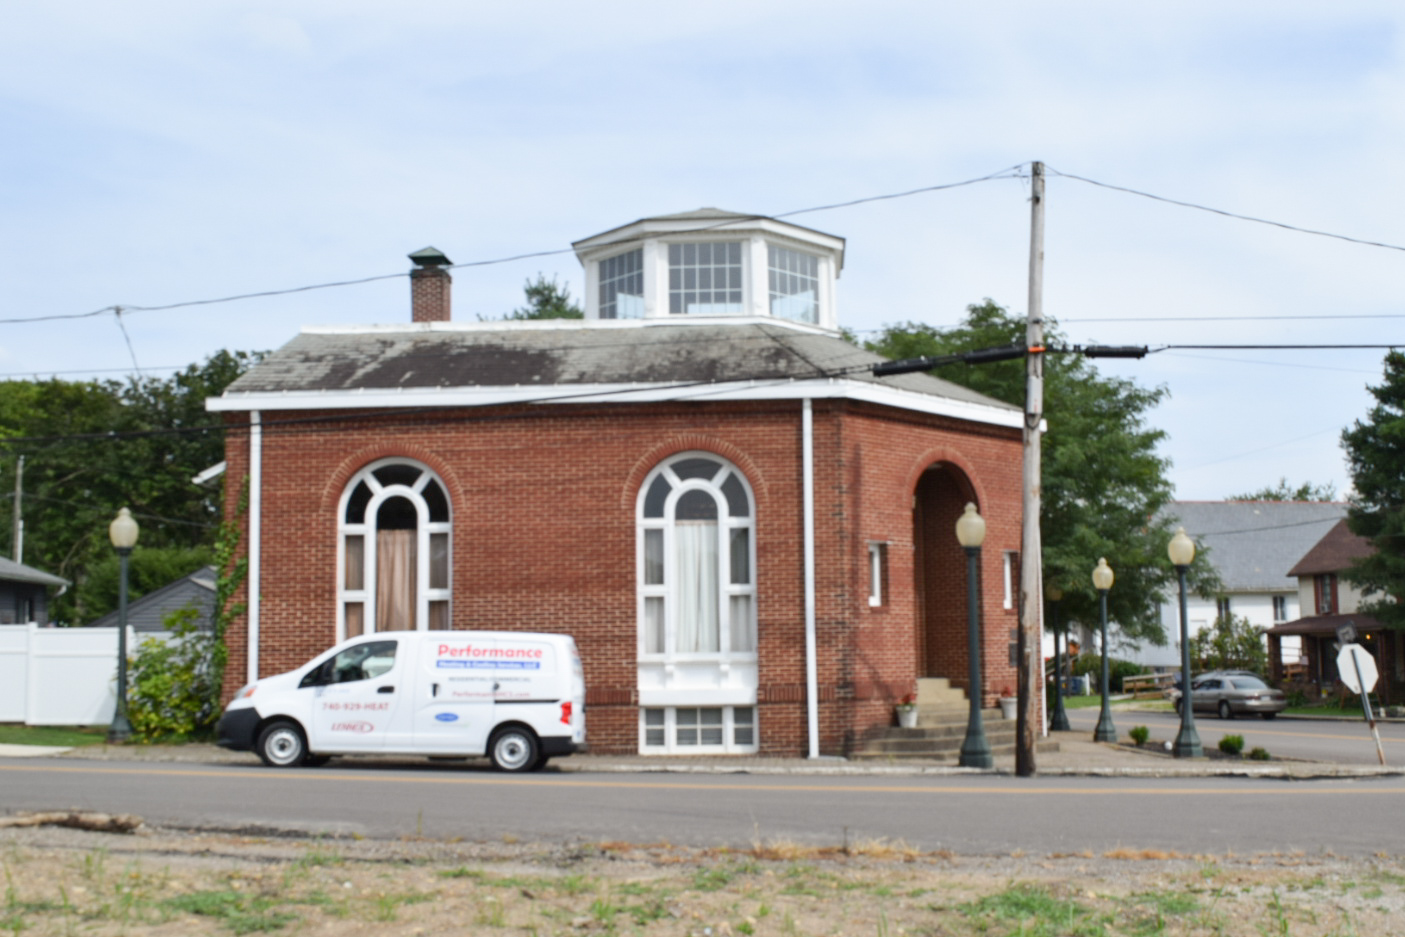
(1391, 315)
(1010, 172)
(1228, 214)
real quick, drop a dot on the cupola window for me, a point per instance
(794, 284)
(622, 286)
(705, 279)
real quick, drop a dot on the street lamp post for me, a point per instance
(1059, 721)
(1102, 581)
(970, 533)
(1187, 744)
(123, 533)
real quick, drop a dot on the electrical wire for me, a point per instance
(1391, 315)
(1226, 214)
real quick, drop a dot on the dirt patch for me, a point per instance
(63, 881)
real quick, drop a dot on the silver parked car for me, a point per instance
(1232, 693)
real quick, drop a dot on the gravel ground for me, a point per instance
(198, 882)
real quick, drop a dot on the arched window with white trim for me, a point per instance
(697, 564)
(393, 551)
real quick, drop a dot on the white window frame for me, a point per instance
(726, 589)
(424, 527)
(1280, 608)
(877, 573)
(670, 732)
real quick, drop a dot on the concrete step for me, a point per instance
(937, 691)
(947, 757)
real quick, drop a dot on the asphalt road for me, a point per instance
(968, 814)
(1348, 742)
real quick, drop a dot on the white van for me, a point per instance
(519, 697)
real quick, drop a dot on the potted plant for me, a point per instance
(1008, 703)
(907, 711)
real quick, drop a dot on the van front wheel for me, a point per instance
(281, 745)
(514, 749)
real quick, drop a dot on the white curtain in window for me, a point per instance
(696, 616)
(395, 580)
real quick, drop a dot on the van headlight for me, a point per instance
(246, 691)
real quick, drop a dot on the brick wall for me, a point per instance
(544, 539)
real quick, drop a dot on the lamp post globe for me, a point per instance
(970, 533)
(1102, 581)
(1058, 721)
(1187, 745)
(122, 532)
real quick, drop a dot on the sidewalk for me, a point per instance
(1077, 756)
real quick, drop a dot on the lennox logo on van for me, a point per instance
(359, 727)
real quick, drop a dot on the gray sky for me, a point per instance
(155, 153)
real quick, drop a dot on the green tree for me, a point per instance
(91, 447)
(1229, 644)
(547, 299)
(1307, 491)
(1104, 485)
(1375, 452)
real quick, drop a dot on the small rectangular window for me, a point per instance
(653, 625)
(654, 729)
(1222, 607)
(622, 286)
(744, 726)
(1010, 562)
(1280, 608)
(438, 561)
(794, 284)
(355, 563)
(653, 557)
(705, 279)
(877, 574)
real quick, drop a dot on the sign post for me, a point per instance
(1357, 668)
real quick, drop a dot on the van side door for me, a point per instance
(355, 695)
(453, 699)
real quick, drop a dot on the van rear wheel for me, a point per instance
(281, 745)
(514, 749)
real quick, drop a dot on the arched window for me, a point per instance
(696, 561)
(394, 562)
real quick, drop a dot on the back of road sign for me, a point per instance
(1347, 668)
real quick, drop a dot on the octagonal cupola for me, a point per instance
(712, 263)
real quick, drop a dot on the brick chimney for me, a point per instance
(430, 286)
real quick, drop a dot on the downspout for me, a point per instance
(255, 541)
(812, 703)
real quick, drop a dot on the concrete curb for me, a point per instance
(1294, 772)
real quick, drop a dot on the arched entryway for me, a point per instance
(940, 572)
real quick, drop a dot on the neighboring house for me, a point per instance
(750, 536)
(149, 612)
(1252, 545)
(1330, 602)
(24, 593)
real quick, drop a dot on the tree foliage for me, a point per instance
(547, 299)
(91, 447)
(1104, 485)
(1283, 491)
(1375, 451)
(1229, 644)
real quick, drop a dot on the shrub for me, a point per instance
(1259, 754)
(1091, 665)
(1140, 734)
(1230, 644)
(173, 691)
(1232, 744)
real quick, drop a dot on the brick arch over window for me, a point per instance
(649, 461)
(394, 524)
(336, 482)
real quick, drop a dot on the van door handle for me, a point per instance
(386, 689)
(434, 689)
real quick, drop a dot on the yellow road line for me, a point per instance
(255, 774)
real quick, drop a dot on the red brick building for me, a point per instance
(749, 535)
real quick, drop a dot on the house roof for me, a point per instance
(1326, 625)
(149, 612)
(11, 571)
(441, 364)
(1333, 553)
(1254, 544)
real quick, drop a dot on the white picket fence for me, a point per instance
(59, 676)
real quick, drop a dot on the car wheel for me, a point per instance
(281, 745)
(514, 749)
(1268, 715)
(1225, 711)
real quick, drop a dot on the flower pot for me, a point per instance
(907, 717)
(1008, 705)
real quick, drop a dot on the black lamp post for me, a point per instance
(1102, 581)
(970, 533)
(1058, 722)
(1187, 745)
(123, 534)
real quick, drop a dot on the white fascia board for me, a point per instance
(819, 389)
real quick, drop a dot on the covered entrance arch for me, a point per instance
(940, 573)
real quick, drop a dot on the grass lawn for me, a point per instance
(69, 736)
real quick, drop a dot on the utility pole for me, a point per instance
(18, 541)
(1029, 645)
